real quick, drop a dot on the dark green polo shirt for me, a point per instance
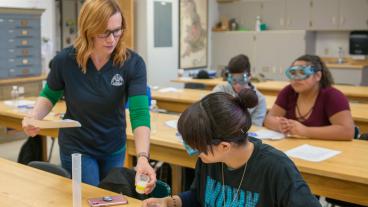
(96, 99)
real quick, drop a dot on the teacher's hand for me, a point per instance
(143, 167)
(29, 129)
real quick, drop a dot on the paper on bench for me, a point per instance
(48, 124)
(172, 123)
(311, 153)
(178, 137)
(20, 102)
(168, 89)
(185, 78)
(267, 134)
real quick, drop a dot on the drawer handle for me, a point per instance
(24, 32)
(25, 61)
(24, 22)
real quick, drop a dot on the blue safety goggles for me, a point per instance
(190, 151)
(300, 72)
(193, 152)
(242, 79)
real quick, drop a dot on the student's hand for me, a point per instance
(284, 125)
(155, 202)
(29, 129)
(143, 167)
(297, 128)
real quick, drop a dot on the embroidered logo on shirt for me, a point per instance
(117, 80)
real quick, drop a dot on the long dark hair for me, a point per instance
(217, 117)
(315, 61)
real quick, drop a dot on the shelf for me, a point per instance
(23, 80)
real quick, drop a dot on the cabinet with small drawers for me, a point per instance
(20, 42)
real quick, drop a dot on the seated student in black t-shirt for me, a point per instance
(234, 169)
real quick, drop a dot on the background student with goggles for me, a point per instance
(238, 77)
(310, 106)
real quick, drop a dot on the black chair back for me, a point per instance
(51, 168)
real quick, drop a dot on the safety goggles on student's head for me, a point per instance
(193, 152)
(190, 151)
(241, 79)
(300, 72)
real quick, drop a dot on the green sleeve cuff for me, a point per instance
(50, 94)
(139, 111)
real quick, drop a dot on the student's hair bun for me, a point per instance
(247, 98)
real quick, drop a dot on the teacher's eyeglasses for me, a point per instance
(116, 33)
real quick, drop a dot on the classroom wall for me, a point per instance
(213, 18)
(140, 21)
(48, 27)
(163, 63)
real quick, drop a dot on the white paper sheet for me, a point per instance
(185, 78)
(267, 134)
(20, 103)
(172, 123)
(48, 124)
(312, 153)
(169, 89)
(178, 136)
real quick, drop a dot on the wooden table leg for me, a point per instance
(176, 178)
(128, 161)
